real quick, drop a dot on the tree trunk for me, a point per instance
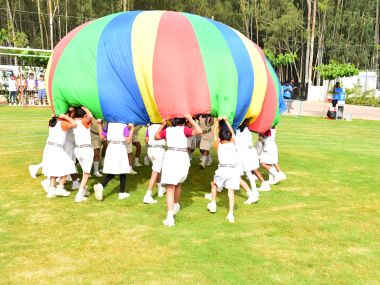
(307, 61)
(40, 24)
(124, 5)
(376, 39)
(66, 28)
(59, 21)
(312, 44)
(11, 26)
(51, 24)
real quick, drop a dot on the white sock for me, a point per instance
(213, 202)
(176, 204)
(273, 171)
(170, 215)
(81, 192)
(159, 186)
(251, 180)
(231, 212)
(136, 159)
(204, 158)
(148, 193)
(96, 166)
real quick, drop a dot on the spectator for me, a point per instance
(41, 90)
(12, 90)
(31, 86)
(338, 94)
(288, 90)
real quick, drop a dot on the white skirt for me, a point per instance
(249, 159)
(175, 167)
(228, 178)
(85, 157)
(156, 156)
(56, 162)
(116, 159)
(269, 154)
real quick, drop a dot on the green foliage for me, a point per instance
(356, 96)
(335, 70)
(281, 59)
(3, 36)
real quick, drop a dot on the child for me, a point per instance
(137, 144)
(31, 86)
(205, 122)
(55, 161)
(96, 143)
(269, 156)
(248, 157)
(156, 154)
(176, 163)
(228, 173)
(41, 90)
(83, 149)
(116, 159)
(12, 90)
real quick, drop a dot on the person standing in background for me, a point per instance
(41, 90)
(12, 90)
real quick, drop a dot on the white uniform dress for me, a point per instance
(55, 161)
(176, 162)
(116, 159)
(247, 153)
(83, 148)
(229, 170)
(69, 145)
(156, 148)
(269, 154)
(206, 137)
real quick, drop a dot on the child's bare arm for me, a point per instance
(196, 128)
(100, 129)
(88, 113)
(229, 126)
(157, 135)
(71, 121)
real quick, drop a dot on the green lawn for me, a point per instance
(321, 226)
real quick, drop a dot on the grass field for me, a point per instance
(321, 226)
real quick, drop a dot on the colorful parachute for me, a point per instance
(142, 66)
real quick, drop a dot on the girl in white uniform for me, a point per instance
(229, 170)
(248, 157)
(269, 156)
(156, 154)
(83, 148)
(55, 162)
(116, 160)
(176, 162)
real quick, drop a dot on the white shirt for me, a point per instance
(11, 85)
(152, 130)
(41, 84)
(31, 84)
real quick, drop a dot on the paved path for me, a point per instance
(320, 109)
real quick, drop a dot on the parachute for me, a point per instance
(142, 66)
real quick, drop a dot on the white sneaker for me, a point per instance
(146, 160)
(208, 161)
(97, 174)
(176, 208)
(169, 222)
(137, 163)
(252, 199)
(76, 185)
(45, 185)
(50, 192)
(123, 195)
(264, 187)
(69, 178)
(211, 207)
(161, 191)
(208, 196)
(98, 189)
(149, 200)
(62, 192)
(33, 170)
(281, 176)
(86, 192)
(273, 180)
(202, 164)
(230, 217)
(132, 172)
(80, 198)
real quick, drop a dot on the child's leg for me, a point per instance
(245, 186)
(258, 175)
(213, 191)
(84, 181)
(152, 181)
(96, 160)
(177, 193)
(170, 199)
(138, 149)
(251, 180)
(52, 181)
(107, 179)
(123, 178)
(266, 166)
(231, 201)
